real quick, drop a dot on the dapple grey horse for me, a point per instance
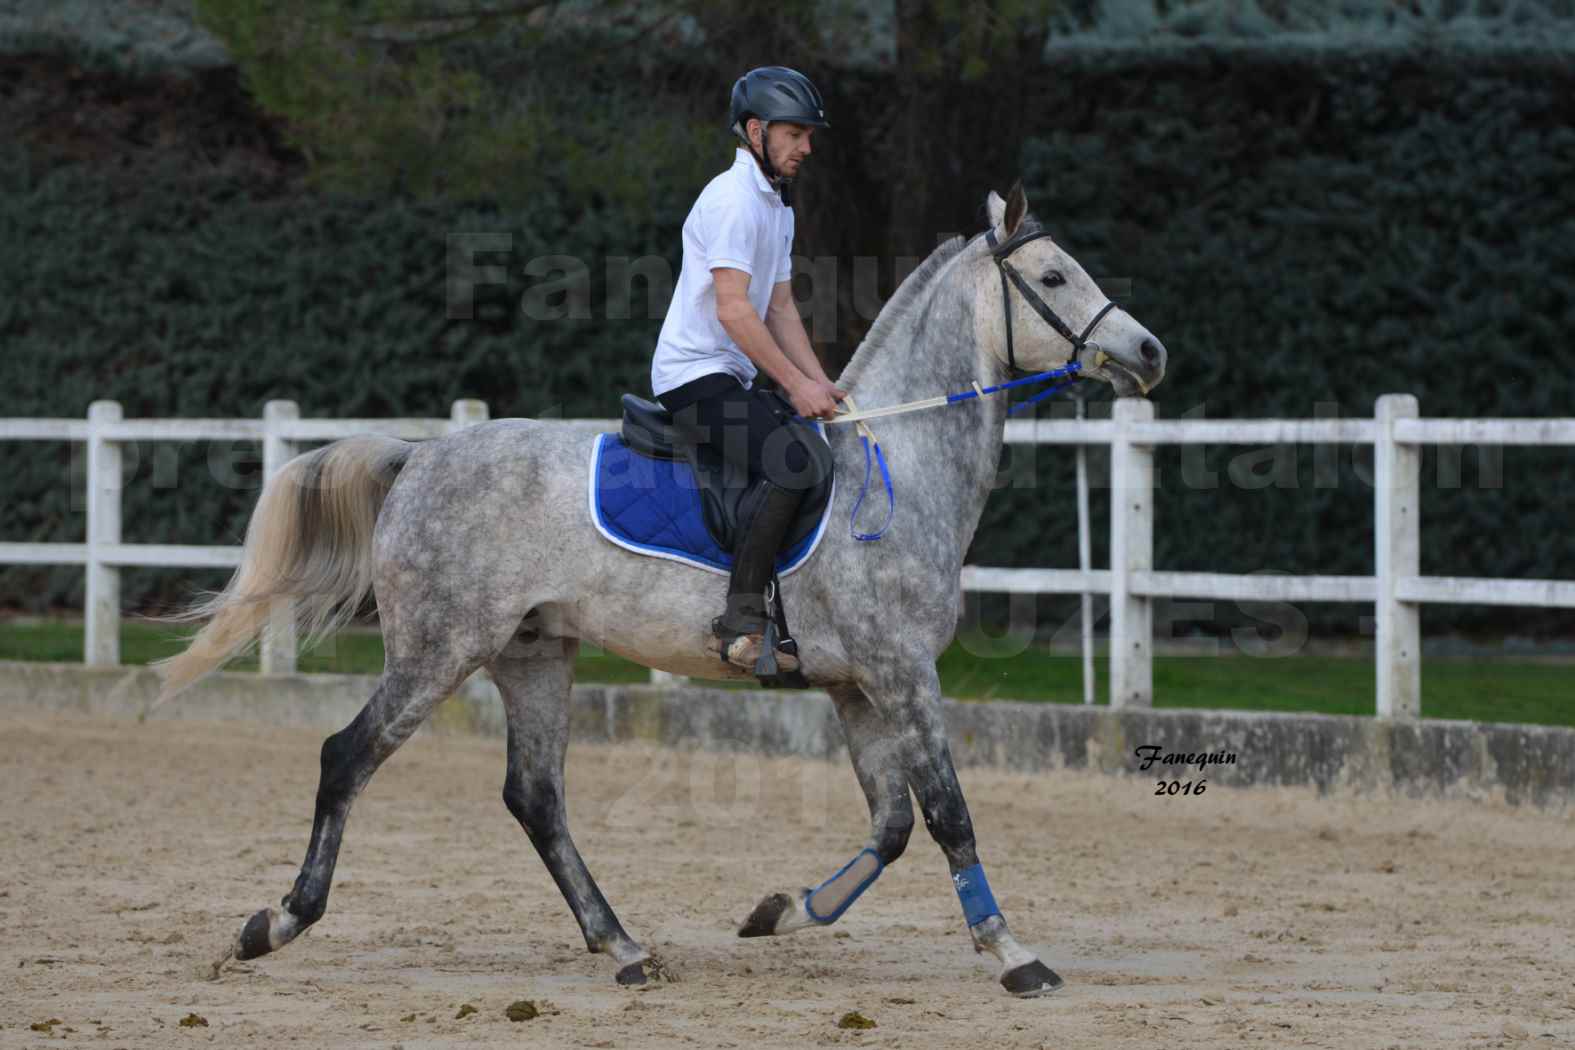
(480, 552)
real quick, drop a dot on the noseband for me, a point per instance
(1011, 273)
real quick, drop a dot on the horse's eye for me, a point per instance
(1053, 279)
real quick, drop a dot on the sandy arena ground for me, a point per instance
(132, 854)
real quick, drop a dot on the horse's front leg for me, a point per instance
(879, 769)
(912, 704)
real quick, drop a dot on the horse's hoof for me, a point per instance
(762, 922)
(254, 940)
(1031, 979)
(651, 968)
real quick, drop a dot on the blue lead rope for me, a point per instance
(891, 495)
(1071, 370)
(1069, 373)
(1042, 395)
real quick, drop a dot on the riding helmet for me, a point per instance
(775, 93)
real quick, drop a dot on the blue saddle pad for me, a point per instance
(652, 506)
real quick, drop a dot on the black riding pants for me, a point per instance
(755, 429)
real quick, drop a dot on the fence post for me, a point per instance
(467, 412)
(101, 617)
(277, 651)
(1085, 560)
(1397, 537)
(1131, 550)
(461, 414)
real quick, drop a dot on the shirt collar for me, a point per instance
(743, 157)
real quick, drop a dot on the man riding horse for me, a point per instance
(732, 317)
(519, 574)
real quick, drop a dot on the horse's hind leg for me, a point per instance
(878, 765)
(405, 696)
(913, 707)
(534, 677)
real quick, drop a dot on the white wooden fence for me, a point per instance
(1396, 589)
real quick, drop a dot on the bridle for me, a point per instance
(1069, 373)
(1000, 251)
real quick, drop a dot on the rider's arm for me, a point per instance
(744, 327)
(787, 328)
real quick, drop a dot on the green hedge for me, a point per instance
(1307, 230)
(192, 298)
(1301, 228)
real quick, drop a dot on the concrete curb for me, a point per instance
(1426, 759)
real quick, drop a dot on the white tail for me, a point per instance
(310, 539)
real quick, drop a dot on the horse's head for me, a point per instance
(1052, 305)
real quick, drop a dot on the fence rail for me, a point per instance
(1396, 589)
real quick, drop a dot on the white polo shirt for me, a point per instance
(741, 223)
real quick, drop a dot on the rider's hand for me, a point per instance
(816, 398)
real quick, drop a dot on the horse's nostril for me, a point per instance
(1149, 352)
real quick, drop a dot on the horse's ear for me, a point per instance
(994, 208)
(1016, 208)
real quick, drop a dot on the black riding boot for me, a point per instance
(754, 560)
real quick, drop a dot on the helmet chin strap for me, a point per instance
(782, 183)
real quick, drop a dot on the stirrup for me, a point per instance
(747, 651)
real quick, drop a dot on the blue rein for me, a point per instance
(1072, 369)
(1068, 373)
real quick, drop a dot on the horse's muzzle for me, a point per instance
(1135, 370)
